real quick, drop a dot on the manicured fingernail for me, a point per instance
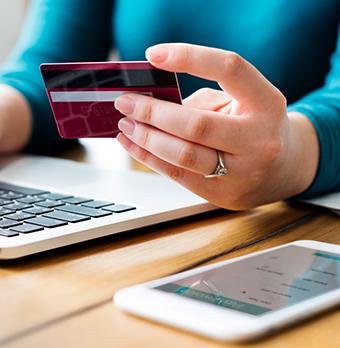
(127, 126)
(157, 54)
(125, 105)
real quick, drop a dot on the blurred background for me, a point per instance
(104, 153)
(11, 18)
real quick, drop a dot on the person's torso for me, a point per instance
(290, 42)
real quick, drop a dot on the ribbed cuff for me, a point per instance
(326, 121)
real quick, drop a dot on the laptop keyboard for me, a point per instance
(27, 210)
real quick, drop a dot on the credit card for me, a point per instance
(82, 95)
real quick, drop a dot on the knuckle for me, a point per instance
(146, 112)
(145, 139)
(273, 150)
(280, 103)
(187, 157)
(142, 155)
(174, 173)
(254, 179)
(233, 63)
(198, 128)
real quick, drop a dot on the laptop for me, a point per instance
(47, 203)
(329, 201)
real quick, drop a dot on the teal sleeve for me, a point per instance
(322, 107)
(55, 31)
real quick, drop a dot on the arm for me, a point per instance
(16, 120)
(322, 109)
(54, 31)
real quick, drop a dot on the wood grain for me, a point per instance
(45, 288)
(63, 297)
(105, 326)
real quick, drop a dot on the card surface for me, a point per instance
(82, 95)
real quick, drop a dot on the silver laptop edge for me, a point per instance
(157, 200)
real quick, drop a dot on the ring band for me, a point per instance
(220, 169)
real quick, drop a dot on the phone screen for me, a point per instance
(264, 283)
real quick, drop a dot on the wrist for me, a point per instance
(15, 120)
(303, 152)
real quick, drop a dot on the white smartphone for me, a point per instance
(245, 297)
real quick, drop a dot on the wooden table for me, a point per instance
(63, 298)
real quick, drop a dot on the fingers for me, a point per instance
(207, 99)
(192, 181)
(179, 152)
(180, 175)
(207, 128)
(235, 75)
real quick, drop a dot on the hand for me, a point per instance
(269, 155)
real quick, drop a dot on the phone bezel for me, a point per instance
(219, 323)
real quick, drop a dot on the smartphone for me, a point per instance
(246, 297)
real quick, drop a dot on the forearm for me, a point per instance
(304, 153)
(15, 120)
(51, 34)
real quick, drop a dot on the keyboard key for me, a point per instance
(18, 206)
(4, 211)
(19, 189)
(46, 222)
(4, 223)
(96, 204)
(8, 233)
(76, 200)
(19, 216)
(26, 228)
(37, 210)
(69, 217)
(30, 199)
(55, 196)
(119, 208)
(78, 209)
(50, 204)
(5, 201)
(11, 195)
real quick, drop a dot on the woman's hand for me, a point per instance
(269, 155)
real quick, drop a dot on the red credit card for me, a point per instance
(82, 95)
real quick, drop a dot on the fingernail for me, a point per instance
(157, 54)
(127, 126)
(125, 105)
